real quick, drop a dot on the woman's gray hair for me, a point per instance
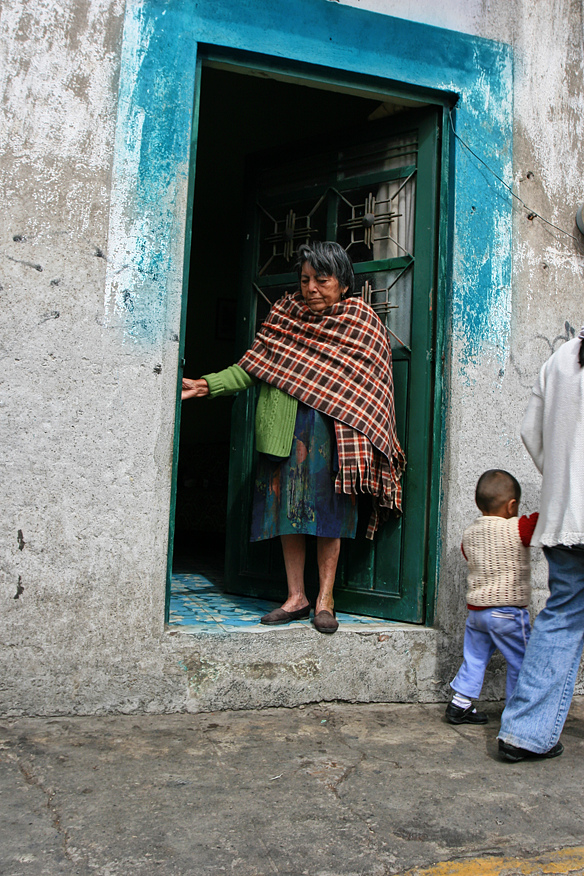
(329, 259)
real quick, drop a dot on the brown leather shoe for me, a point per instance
(281, 616)
(325, 622)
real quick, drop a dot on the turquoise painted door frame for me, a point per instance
(147, 273)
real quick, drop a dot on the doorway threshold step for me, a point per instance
(198, 605)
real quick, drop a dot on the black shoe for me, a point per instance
(458, 715)
(514, 755)
(325, 622)
(281, 616)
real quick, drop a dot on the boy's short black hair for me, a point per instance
(494, 487)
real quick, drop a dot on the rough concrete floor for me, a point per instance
(323, 790)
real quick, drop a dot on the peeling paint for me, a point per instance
(562, 258)
(150, 173)
(56, 81)
(149, 156)
(128, 231)
(532, 262)
(481, 289)
(548, 74)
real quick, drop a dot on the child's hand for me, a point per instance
(194, 388)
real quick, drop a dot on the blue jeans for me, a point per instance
(534, 716)
(506, 628)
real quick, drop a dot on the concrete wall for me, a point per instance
(489, 383)
(86, 434)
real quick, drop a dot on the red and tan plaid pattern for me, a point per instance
(339, 363)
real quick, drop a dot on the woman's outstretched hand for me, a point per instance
(194, 388)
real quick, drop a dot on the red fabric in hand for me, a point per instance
(526, 527)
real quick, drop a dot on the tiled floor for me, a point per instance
(197, 605)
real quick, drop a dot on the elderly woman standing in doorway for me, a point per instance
(325, 423)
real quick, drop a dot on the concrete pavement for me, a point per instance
(321, 790)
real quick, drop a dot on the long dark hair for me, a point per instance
(581, 354)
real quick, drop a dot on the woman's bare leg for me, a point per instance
(327, 553)
(294, 550)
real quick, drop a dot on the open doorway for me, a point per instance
(273, 148)
(239, 115)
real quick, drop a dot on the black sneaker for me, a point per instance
(514, 755)
(457, 715)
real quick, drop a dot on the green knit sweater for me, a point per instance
(275, 412)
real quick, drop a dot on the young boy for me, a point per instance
(496, 547)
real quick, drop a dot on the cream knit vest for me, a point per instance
(499, 570)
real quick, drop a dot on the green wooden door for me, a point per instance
(377, 196)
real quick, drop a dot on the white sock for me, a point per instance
(461, 701)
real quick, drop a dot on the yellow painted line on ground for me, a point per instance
(560, 863)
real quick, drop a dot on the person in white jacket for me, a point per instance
(552, 431)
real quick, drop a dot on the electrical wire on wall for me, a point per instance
(531, 213)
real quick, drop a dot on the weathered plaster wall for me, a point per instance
(489, 389)
(90, 298)
(83, 542)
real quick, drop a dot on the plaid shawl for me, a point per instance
(339, 362)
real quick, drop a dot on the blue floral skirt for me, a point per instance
(296, 495)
